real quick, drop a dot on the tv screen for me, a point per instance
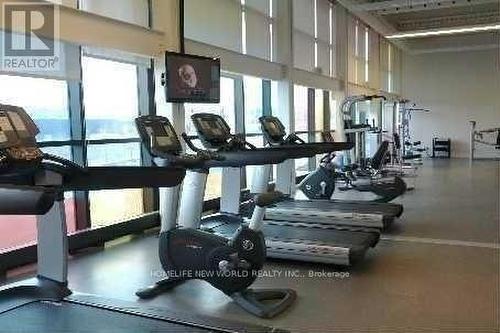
(192, 78)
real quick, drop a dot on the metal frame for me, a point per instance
(476, 137)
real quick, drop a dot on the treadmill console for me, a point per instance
(273, 129)
(18, 136)
(212, 129)
(158, 136)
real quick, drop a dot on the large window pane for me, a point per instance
(46, 101)
(253, 104)
(274, 97)
(62, 151)
(108, 207)
(226, 109)
(257, 141)
(18, 231)
(130, 11)
(302, 164)
(334, 113)
(301, 124)
(319, 110)
(300, 102)
(252, 88)
(110, 96)
(319, 118)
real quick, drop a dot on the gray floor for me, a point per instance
(437, 270)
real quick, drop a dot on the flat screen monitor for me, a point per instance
(192, 78)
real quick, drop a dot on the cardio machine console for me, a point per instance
(273, 130)
(212, 129)
(18, 137)
(158, 135)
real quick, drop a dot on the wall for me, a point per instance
(457, 87)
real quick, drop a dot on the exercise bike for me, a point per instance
(229, 264)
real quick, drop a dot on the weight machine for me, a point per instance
(478, 136)
(357, 125)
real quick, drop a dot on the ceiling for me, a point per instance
(398, 16)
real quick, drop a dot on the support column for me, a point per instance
(472, 140)
(52, 246)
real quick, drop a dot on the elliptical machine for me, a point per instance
(186, 252)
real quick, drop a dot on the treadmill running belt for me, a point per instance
(47, 317)
(386, 209)
(354, 240)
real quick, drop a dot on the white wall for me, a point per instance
(457, 87)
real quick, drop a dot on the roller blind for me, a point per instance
(351, 48)
(323, 20)
(261, 6)
(258, 41)
(396, 69)
(361, 49)
(303, 34)
(374, 55)
(68, 67)
(130, 11)
(116, 55)
(258, 33)
(215, 22)
(384, 64)
(324, 57)
(303, 51)
(323, 35)
(303, 16)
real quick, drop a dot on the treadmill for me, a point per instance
(303, 242)
(326, 213)
(33, 183)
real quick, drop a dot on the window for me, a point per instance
(331, 39)
(45, 100)
(319, 118)
(389, 68)
(110, 96)
(301, 124)
(226, 108)
(313, 30)
(130, 11)
(367, 40)
(126, 203)
(223, 29)
(319, 110)
(334, 113)
(304, 41)
(253, 97)
(257, 28)
(252, 88)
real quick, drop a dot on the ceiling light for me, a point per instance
(450, 31)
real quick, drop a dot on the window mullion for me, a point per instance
(78, 150)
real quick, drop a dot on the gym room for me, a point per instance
(249, 166)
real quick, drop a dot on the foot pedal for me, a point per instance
(158, 288)
(265, 303)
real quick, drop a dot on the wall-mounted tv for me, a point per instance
(192, 78)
